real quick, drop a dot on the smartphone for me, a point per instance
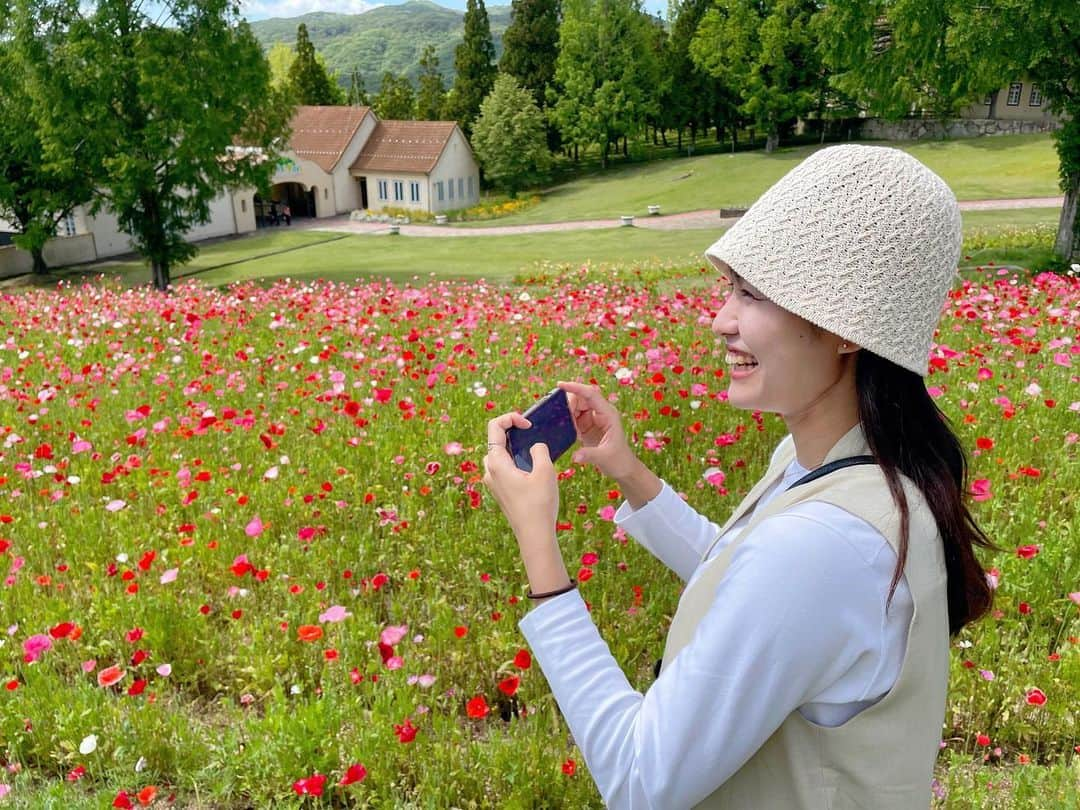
(552, 425)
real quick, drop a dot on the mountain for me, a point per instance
(384, 38)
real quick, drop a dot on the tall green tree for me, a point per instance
(510, 137)
(606, 73)
(431, 90)
(395, 100)
(474, 67)
(766, 50)
(945, 54)
(357, 95)
(531, 45)
(37, 190)
(310, 81)
(145, 97)
(690, 90)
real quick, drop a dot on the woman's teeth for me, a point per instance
(739, 360)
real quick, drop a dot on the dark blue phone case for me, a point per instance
(552, 425)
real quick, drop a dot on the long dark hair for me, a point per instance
(909, 434)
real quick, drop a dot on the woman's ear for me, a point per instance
(847, 347)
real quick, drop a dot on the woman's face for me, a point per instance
(777, 361)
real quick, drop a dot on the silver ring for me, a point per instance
(494, 444)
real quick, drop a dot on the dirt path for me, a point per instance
(689, 220)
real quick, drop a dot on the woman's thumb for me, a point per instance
(540, 455)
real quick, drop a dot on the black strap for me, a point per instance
(813, 475)
(825, 469)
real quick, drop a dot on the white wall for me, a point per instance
(456, 162)
(307, 173)
(375, 204)
(346, 187)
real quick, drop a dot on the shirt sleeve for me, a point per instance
(795, 611)
(672, 530)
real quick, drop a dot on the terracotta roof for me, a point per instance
(321, 134)
(404, 146)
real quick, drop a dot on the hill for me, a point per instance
(384, 38)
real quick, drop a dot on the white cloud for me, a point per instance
(262, 9)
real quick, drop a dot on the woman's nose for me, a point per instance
(724, 323)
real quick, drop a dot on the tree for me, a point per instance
(145, 98)
(687, 103)
(394, 101)
(310, 81)
(531, 45)
(281, 57)
(474, 66)
(606, 72)
(510, 137)
(37, 191)
(357, 95)
(767, 51)
(431, 95)
(944, 54)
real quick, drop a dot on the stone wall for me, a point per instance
(919, 128)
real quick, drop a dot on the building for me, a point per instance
(1020, 100)
(339, 159)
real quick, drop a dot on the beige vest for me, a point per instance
(883, 757)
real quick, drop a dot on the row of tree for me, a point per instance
(604, 71)
(104, 105)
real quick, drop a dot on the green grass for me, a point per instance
(1009, 166)
(308, 254)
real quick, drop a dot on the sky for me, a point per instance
(263, 9)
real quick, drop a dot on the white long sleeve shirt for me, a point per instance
(799, 623)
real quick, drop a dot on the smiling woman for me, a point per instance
(794, 651)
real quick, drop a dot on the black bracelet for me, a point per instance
(567, 589)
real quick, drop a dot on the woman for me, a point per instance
(807, 664)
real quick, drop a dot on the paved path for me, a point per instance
(689, 220)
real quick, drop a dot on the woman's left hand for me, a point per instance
(530, 501)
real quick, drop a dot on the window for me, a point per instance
(243, 206)
(383, 194)
(399, 191)
(461, 187)
(986, 100)
(470, 186)
(450, 185)
(439, 190)
(1014, 93)
(326, 194)
(1035, 100)
(69, 225)
(414, 192)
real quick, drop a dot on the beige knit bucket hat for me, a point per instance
(860, 240)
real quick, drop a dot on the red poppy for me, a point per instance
(137, 688)
(1036, 697)
(983, 740)
(62, 630)
(1027, 552)
(355, 773)
(460, 631)
(406, 732)
(477, 708)
(310, 785)
(309, 632)
(509, 686)
(110, 676)
(146, 795)
(122, 801)
(569, 767)
(522, 660)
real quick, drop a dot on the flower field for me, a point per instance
(247, 559)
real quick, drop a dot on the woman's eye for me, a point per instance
(747, 294)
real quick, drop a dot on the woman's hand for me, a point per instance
(530, 502)
(604, 444)
(600, 431)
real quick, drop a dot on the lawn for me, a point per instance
(1010, 166)
(311, 254)
(249, 560)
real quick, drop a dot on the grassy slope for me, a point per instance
(980, 168)
(403, 258)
